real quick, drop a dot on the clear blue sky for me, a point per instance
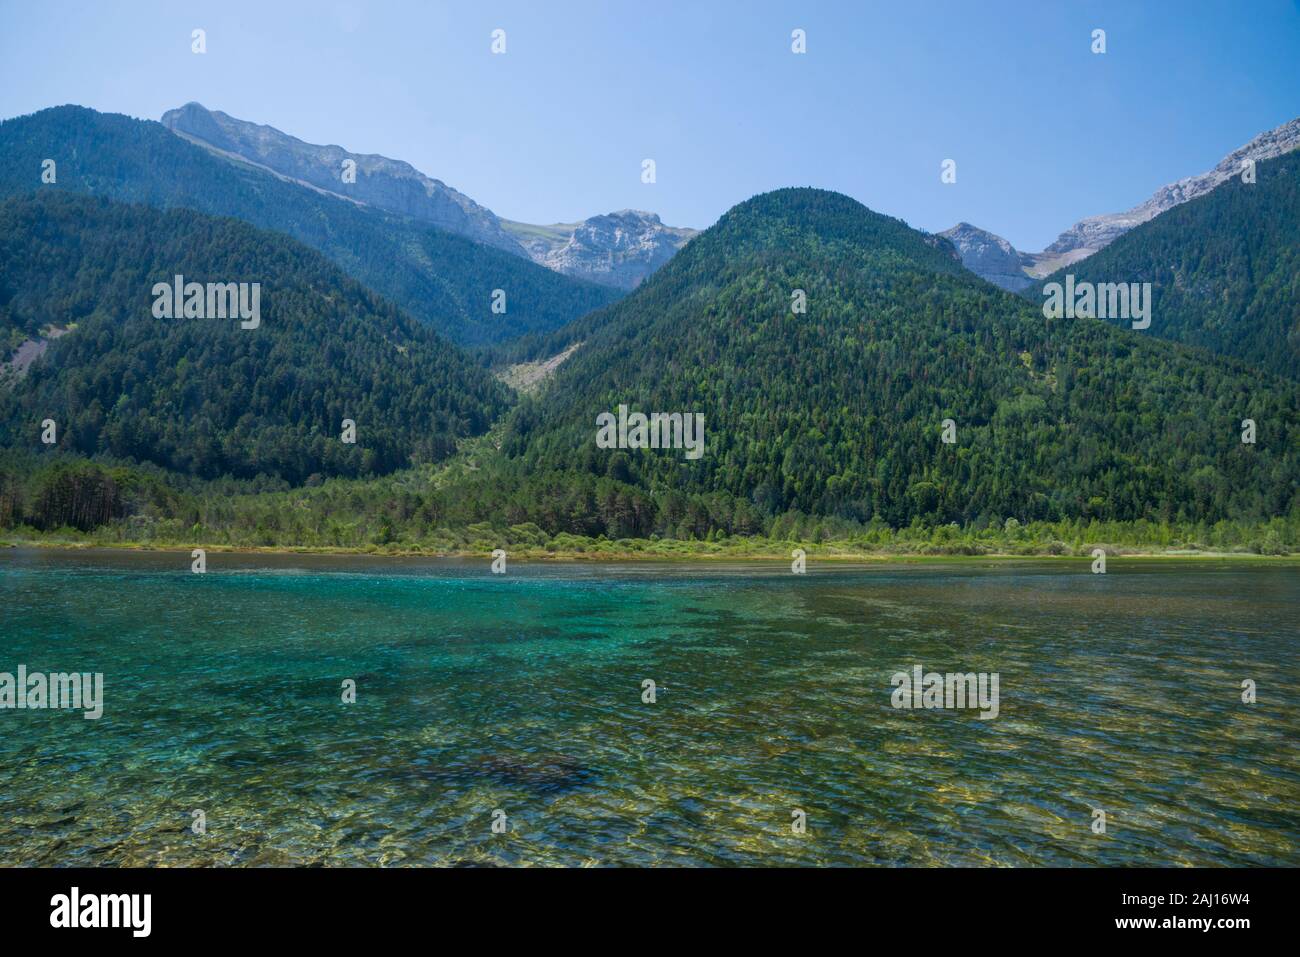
(1043, 131)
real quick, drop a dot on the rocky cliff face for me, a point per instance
(388, 184)
(616, 249)
(989, 256)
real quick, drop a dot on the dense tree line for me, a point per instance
(1224, 268)
(433, 510)
(439, 278)
(201, 395)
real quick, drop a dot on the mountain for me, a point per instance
(1224, 268)
(618, 249)
(990, 256)
(839, 411)
(211, 396)
(385, 183)
(1096, 232)
(440, 278)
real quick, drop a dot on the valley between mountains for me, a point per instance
(865, 388)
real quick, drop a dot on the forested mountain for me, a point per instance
(204, 396)
(1224, 268)
(442, 279)
(839, 411)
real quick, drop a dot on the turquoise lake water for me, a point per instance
(523, 693)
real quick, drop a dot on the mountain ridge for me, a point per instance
(1096, 232)
(613, 249)
(393, 185)
(441, 278)
(1093, 233)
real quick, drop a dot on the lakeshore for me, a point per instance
(702, 552)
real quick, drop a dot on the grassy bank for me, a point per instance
(576, 548)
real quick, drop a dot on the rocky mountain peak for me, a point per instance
(616, 249)
(988, 255)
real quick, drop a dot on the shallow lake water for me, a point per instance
(523, 693)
